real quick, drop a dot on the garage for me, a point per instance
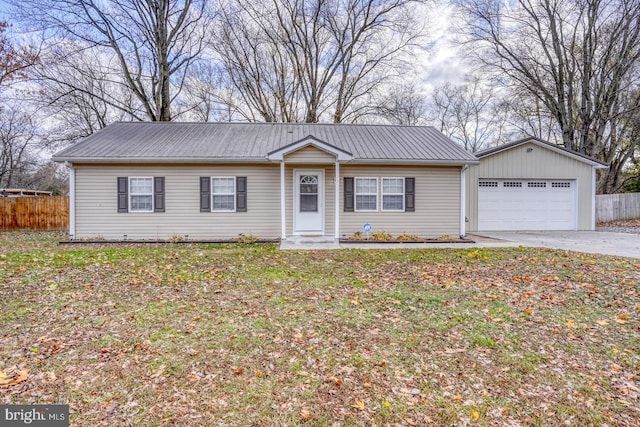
(534, 204)
(531, 184)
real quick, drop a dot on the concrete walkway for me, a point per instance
(480, 242)
(597, 242)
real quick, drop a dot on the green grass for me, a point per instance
(248, 335)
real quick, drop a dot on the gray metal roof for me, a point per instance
(177, 142)
(579, 156)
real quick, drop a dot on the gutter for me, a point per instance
(257, 160)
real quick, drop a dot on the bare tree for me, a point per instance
(208, 96)
(14, 61)
(526, 116)
(403, 105)
(257, 63)
(47, 176)
(578, 58)
(471, 113)
(81, 91)
(153, 43)
(17, 136)
(295, 60)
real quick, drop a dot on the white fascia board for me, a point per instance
(278, 155)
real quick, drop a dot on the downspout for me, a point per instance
(463, 196)
(594, 183)
(283, 204)
(72, 201)
(337, 199)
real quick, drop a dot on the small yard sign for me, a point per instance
(367, 229)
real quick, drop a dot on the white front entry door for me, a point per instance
(308, 202)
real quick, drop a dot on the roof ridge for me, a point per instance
(275, 124)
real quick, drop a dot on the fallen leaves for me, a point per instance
(304, 414)
(359, 405)
(14, 375)
(240, 336)
(159, 372)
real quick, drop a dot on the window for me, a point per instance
(140, 194)
(536, 184)
(560, 185)
(223, 194)
(393, 194)
(366, 194)
(361, 194)
(488, 184)
(512, 184)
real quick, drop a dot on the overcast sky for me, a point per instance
(438, 64)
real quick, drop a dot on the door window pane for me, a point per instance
(308, 193)
(308, 203)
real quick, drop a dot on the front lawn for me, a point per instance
(183, 334)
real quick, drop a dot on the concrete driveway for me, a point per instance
(596, 242)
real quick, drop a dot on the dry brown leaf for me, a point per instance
(17, 378)
(304, 414)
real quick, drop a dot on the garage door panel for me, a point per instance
(526, 205)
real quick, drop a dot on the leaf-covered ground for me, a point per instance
(248, 335)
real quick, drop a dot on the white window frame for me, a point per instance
(356, 194)
(131, 194)
(392, 194)
(233, 194)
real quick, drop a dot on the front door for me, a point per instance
(308, 204)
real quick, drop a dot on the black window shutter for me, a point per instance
(241, 194)
(205, 194)
(348, 194)
(409, 194)
(123, 194)
(158, 194)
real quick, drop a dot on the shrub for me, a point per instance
(408, 237)
(247, 238)
(381, 235)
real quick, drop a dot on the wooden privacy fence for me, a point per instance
(36, 213)
(610, 207)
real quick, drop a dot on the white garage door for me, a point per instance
(532, 204)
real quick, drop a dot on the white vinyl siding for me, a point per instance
(310, 155)
(140, 194)
(366, 194)
(393, 194)
(437, 202)
(223, 194)
(96, 203)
